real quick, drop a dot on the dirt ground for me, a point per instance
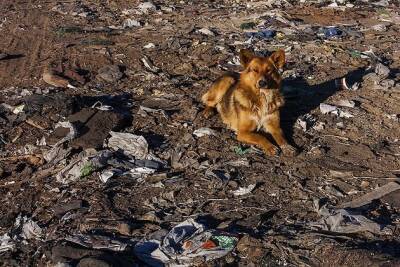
(344, 154)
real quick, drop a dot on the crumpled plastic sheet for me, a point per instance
(57, 153)
(100, 242)
(347, 221)
(6, 243)
(185, 242)
(132, 145)
(88, 161)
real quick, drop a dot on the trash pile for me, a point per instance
(106, 159)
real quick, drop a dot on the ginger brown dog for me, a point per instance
(250, 100)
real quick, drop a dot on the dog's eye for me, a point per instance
(255, 70)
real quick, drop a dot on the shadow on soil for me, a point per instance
(301, 98)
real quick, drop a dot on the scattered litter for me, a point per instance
(99, 242)
(147, 7)
(379, 27)
(186, 242)
(306, 122)
(6, 243)
(132, 145)
(382, 71)
(243, 162)
(262, 34)
(88, 161)
(241, 151)
(130, 23)
(204, 132)
(244, 190)
(72, 133)
(206, 31)
(326, 108)
(221, 175)
(107, 174)
(331, 32)
(346, 222)
(149, 46)
(149, 65)
(144, 111)
(341, 84)
(18, 109)
(31, 230)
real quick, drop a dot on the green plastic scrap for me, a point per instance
(240, 151)
(87, 169)
(225, 242)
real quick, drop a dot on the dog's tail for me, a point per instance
(219, 88)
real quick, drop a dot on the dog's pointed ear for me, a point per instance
(245, 57)
(278, 57)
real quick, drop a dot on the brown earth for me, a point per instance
(338, 162)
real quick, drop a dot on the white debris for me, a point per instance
(206, 31)
(149, 65)
(131, 144)
(31, 230)
(149, 46)
(71, 134)
(146, 7)
(305, 122)
(130, 23)
(107, 174)
(344, 114)
(204, 131)
(379, 27)
(141, 172)
(342, 84)
(382, 71)
(244, 190)
(145, 111)
(18, 109)
(6, 243)
(326, 108)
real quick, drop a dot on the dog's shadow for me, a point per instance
(301, 98)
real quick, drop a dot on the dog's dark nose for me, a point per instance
(262, 83)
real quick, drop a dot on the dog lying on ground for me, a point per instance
(250, 100)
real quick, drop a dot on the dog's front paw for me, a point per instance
(271, 150)
(207, 112)
(289, 150)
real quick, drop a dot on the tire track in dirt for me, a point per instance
(28, 36)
